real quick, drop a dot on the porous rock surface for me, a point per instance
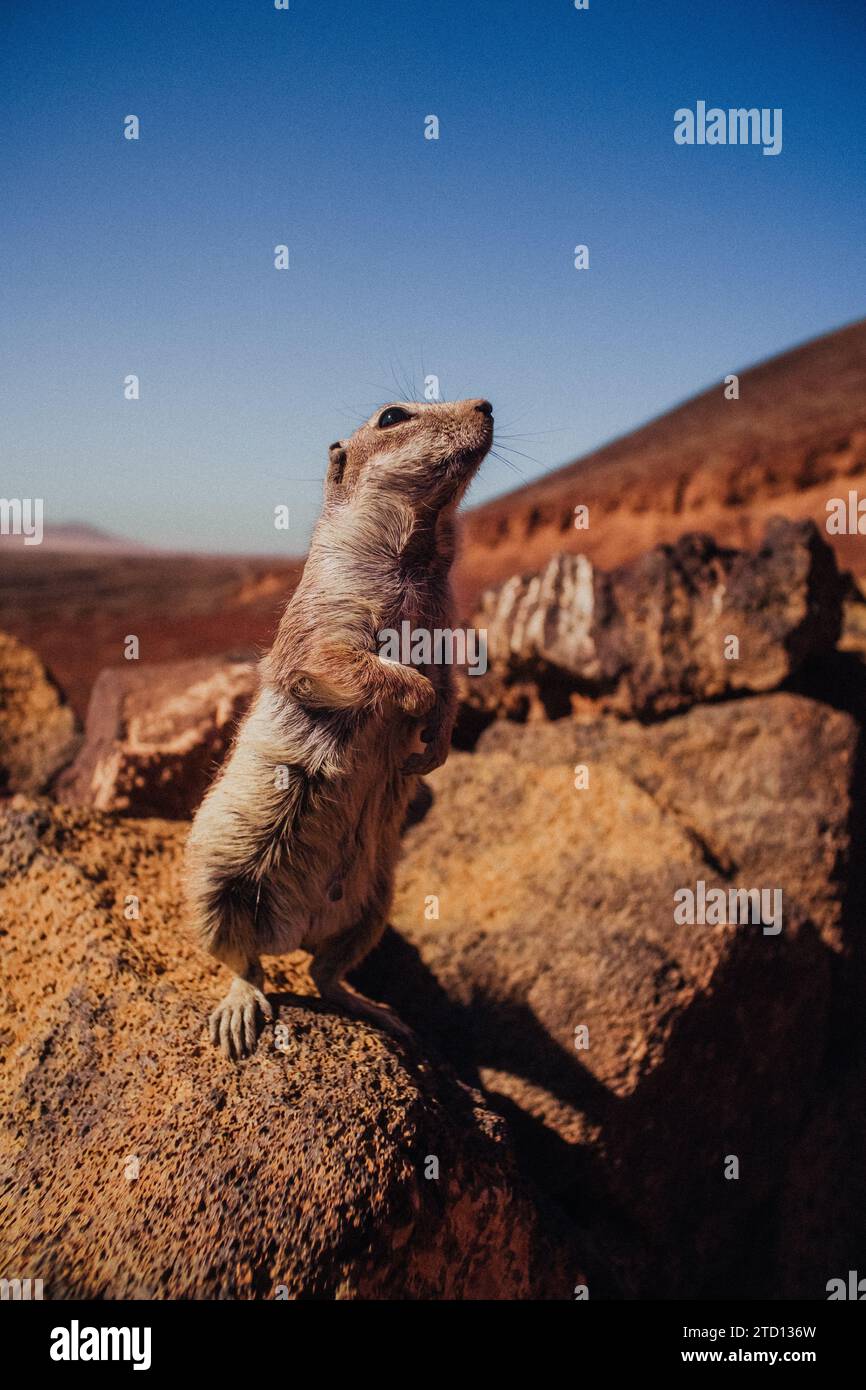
(38, 733)
(137, 1162)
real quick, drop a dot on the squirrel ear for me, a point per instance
(336, 464)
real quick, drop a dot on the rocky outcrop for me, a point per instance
(637, 943)
(634, 1052)
(681, 624)
(38, 733)
(138, 1163)
(156, 734)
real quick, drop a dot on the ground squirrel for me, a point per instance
(294, 845)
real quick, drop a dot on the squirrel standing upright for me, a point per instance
(295, 843)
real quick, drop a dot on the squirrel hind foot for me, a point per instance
(356, 1005)
(235, 1022)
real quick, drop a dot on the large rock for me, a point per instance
(137, 1162)
(655, 635)
(556, 912)
(37, 728)
(155, 735)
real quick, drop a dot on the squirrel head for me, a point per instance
(423, 453)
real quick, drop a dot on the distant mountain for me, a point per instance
(79, 536)
(795, 438)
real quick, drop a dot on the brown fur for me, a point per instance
(308, 863)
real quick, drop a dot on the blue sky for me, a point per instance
(408, 256)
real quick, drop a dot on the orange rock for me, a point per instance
(38, 730)
(155, 735)
(554, 909)
(299, 1174)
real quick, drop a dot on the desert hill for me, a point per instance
(76, 537)
(795, 438)
(77, 608)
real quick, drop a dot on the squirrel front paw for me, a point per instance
(234, 1023)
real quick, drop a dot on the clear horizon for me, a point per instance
(73, 521)
(408, 256)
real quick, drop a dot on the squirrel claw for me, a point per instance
(234, 1022)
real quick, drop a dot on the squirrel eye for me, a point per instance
(392, 416)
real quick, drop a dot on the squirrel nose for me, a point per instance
(485, 408)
